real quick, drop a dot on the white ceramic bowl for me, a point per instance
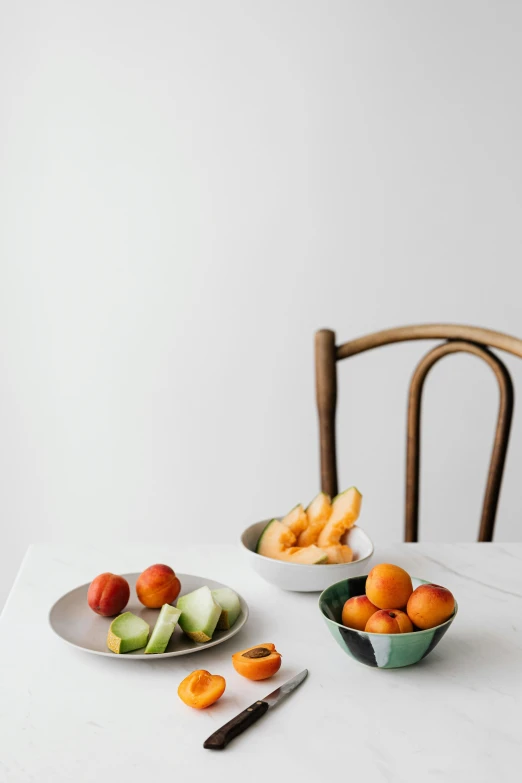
(307, 578)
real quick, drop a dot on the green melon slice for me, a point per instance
(308, 555)
(274, 539)
(345, 511)
(126, 633)
(200, 614)
(296, 520)
(163, 630)
(318, 513)
(230, 607)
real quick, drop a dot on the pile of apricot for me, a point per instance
(391, 605)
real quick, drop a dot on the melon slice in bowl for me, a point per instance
(345, 511)
(278, 542)
(274, 539)
(296, 520)
(318, 513)
(339, 553)
(305, 555)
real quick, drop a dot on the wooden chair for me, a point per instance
(470, 339)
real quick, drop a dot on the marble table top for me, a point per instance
(456, 716)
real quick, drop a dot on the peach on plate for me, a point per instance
(108, 594)
(157, 585)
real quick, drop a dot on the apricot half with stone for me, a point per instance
(258, 662)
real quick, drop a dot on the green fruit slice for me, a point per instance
(230, 607)
(163, 630)
(126, 633)
(200, 614)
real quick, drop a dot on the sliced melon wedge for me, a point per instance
(339, 553)
(296, 520)
(200, 614)
(318, 513)
(163, 630)
(127, 632)
(345, 511)
(307, 555)
(230, 607)
(274, 539)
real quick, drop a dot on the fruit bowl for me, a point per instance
(382, 650)
(307, 578)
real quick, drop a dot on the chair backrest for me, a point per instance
(470, 339)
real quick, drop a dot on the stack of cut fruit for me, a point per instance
(199, 614)
(313, 536)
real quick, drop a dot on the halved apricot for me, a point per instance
(201, 689)
(258, 662)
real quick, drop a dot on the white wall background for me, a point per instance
(188, 191)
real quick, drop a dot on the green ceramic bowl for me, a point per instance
(383, 650)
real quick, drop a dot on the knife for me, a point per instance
(220, 739)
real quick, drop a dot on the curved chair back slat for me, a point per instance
(500, 444)
(460, 338)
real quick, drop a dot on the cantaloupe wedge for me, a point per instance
(318, 513)
(307, 555)
(278, 541)
(296, 520)
(345, 511)
(339, 553)
(274, 539)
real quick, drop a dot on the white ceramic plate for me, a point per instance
(74, 622)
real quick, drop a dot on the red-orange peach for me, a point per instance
(357, 611)
(157, 585)
(430, 605)
(108, 594)
(388, 586)
(386, 621)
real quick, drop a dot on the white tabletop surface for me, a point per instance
(456, 716)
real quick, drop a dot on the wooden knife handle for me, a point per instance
(237, 725)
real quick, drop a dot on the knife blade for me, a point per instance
(220, 738)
